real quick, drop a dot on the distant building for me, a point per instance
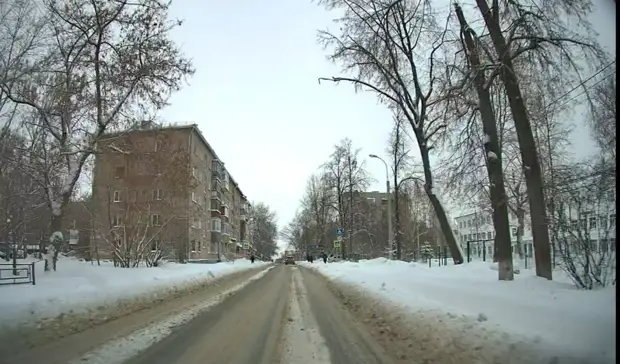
(370, 222)
(477, 229)
(595, 217)
(167, 185)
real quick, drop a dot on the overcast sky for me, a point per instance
(256, 98)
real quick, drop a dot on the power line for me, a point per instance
(587, 89)
(581, 84)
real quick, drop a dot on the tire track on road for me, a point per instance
(243, 329)
(302, 342)
(346, 338)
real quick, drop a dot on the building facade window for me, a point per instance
(156, 220)
(593, 222)
(216, 225)
(119, 172)
(155, 245)
(117, 220)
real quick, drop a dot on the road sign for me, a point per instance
(340, 232)
(336, 244)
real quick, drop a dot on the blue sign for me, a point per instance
(340, 232)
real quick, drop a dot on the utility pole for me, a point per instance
(389, 204)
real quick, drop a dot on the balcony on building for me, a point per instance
(217, 171)
(243, 233)
(215, 208)
(226, 229)
(216, 195)
(224, 211)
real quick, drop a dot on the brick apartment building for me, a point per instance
(167, 186)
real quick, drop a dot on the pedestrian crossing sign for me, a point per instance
(337, 244)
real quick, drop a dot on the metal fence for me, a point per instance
(17, 274)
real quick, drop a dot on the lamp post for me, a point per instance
(389, 204)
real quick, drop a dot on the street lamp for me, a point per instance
(389, 204)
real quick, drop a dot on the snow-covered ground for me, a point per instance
(554, 314)
(80, 286)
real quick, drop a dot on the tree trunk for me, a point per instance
(56, 243)
(350, 233)
(440, 212)
(342, 222)
(520, 228)
(527, 144)
(396, 210)
(499, 200)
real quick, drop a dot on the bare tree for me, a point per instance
(400, 161)
(141, 225)
(318, 205)
(416, 213)
(539, 33)
(380, 42)
(584, 224)
(370, 228)
(103, 65)
(134, 235)
(493, 153)
(295, 233)
(22, 203)
(345, 174)
(264, 232)
(20, 28)
(603, 115)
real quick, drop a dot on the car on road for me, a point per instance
(289, 260)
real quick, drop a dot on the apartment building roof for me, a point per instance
(193, 127)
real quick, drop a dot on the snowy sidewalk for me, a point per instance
(80, 287)
(555, 314)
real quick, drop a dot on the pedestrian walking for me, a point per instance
(252, 258)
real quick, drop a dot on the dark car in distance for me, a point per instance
(289, 260)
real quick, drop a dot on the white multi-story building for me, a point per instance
(594, 221)
(477, 229)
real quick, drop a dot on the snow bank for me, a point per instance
(121, 349)
(554, 314)
(79, 287)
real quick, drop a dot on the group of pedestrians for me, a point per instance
(310, 257)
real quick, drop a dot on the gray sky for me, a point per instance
(256, 98)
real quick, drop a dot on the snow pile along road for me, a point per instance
(98, 292)
(122, 349)
(553, 317)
